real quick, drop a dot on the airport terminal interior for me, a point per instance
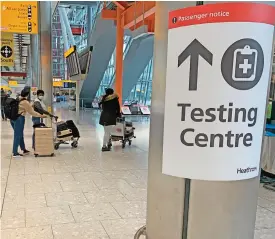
(74, 51)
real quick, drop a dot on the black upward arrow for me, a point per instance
(194, 50)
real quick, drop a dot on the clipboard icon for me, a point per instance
(244, 64)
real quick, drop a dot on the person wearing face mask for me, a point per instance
(39, 107)
(18, 124)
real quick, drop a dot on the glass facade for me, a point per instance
(78, 19)
(77, 16)
(57, 48)
(142, 91)
(109, 75)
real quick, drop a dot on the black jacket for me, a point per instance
(110, 110)
(39, 109)
(3, 98)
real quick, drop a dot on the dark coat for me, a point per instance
(3, 98)
(110, 110)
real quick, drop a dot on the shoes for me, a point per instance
(110, 145)
(26, 152)
(105, 149)
(17, 155)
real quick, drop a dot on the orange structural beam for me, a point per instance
(137, 13)
(108, 14)
(149, 23)
(119, 55)
(121, 4)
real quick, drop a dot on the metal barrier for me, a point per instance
(140, 232)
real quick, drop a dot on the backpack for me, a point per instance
(11, 108)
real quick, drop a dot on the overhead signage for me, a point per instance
(85, 59)
(69, 51)
(19, 17)
(57, 84)
(72, 60)
(13, 83)
(7, 49)
(69, 81)
(215, 116)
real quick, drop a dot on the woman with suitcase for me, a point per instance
(18, 122)
(110, 112)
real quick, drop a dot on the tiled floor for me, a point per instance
(83, 193)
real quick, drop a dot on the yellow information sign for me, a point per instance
(57, 84)
(19, 17)
(13, 83)
(7, 45)
(70, 81)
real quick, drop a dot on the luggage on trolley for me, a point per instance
(123, 131)
(66, 132)
(43, 140)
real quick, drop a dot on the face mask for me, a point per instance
(40, 97)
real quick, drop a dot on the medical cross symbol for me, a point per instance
(245, 66)
(6, 51)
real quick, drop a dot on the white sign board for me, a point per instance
(145, 110)
(218, 69)
(125, 110)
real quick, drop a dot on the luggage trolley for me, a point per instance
(66, 132)
(123, 131)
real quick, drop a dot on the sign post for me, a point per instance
(215, 115)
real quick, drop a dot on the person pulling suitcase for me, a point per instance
(39, 107)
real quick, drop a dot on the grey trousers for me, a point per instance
(107, 134)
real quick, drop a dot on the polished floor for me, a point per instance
(83, 193)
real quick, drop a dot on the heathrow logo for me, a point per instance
(246, 170)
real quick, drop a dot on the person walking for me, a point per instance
(110, 112)
(4, 97)
(18, 124)
(39, 107)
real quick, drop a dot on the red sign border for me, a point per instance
(238, 12)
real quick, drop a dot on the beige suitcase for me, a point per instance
(44, 145)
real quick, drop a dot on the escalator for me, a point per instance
(103, 40)
(137, 57)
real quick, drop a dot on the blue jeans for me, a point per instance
(3, 113)
(35, 120)
(18, 136)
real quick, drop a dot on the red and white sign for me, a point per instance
(125, 110)
(145, 110)
(219, 58)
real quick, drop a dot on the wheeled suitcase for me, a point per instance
(61, 126)
(73, 128)
(44, 145)
(65, 135)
